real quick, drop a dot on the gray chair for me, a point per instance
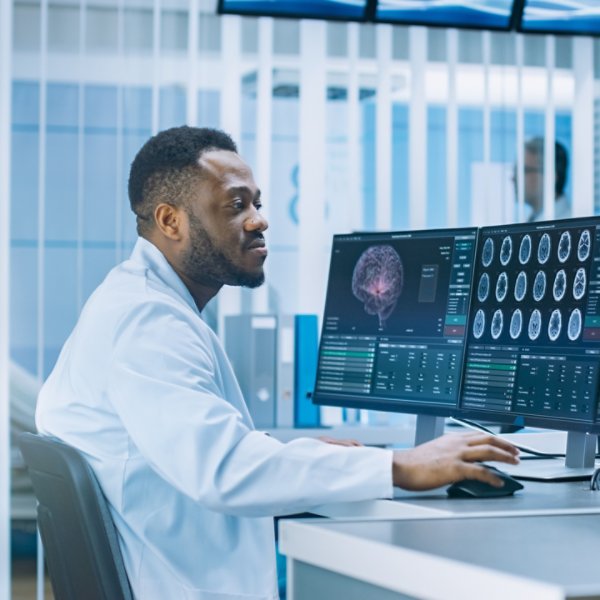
(79, 537)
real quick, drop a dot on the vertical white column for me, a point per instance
(582, 159)
(120, 175)
(549, 133)
(41, 252)
(5, 137)
(312, 266)
(487, 127)
(231, 90)
(520, 166)
(452, 131)
(383, 129)
(355, 198)
(417, 130)
(230, 298)
(191, 105)
(264, 108)
(155, 66)
(80, 154)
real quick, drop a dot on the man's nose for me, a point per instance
(256, 223)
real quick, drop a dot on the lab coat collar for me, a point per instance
(148, 255)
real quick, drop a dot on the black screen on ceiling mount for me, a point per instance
(395, 320)
(533, 339)
(346, 10)
(472, 14)
(570, 17)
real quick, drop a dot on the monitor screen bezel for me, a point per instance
(379, 403)
(545, 422)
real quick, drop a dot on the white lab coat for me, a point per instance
(144, 389)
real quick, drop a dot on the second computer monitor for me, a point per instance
(533, 343)
(395, 320)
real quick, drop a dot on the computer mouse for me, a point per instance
(473, 488)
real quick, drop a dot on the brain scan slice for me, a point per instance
(525, 249)
(520, 286)
(516, 324)
(478, 324)
(584, 245)
(487, 254)
(560, 285)
(554, 325)
(377, 281)
(564, 246)
(579, 284)
(535, 325)
(506, 250)
(574, 326)
(539, 286)
(501, 286)
(543, 253)
(483, 289)
(497, 324)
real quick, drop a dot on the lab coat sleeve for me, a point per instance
(163, 385)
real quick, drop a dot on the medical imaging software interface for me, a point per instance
(533, 340)
(395, 320)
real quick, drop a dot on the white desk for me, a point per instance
(536, 498)
(369, 435)
(481, 558)
(541, 543)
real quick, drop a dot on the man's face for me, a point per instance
(225, 244)
(534, 181)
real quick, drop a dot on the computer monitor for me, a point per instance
(394, 324)
(560, 17)
(347, 10)
(533, 341)
(472, 14)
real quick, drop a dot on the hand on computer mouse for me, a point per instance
(451, 458)
(471, 488)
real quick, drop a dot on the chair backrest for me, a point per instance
(79, 537)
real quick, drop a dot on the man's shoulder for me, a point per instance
(562, 208)
(130, 286)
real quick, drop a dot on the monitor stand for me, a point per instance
(428, 428)
(579, 462)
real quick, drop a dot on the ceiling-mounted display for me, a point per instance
(472, 14)
(579, 17)
(347, 10)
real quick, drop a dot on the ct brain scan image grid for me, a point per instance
(534, 283)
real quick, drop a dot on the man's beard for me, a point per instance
(205, 263)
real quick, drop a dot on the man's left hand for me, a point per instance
(329, 440)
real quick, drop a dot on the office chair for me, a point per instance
(79, 537)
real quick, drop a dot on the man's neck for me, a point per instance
(202, 293)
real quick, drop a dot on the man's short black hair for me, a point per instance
(561, 161)
(164, 166)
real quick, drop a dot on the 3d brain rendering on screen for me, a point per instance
(377, 281)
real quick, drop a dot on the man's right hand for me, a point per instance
(451, 458)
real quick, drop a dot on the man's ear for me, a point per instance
(169, 220)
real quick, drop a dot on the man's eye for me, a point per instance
(238, 204)
(258, 205)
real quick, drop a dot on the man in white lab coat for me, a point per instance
(144, 389)
(534, 180)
